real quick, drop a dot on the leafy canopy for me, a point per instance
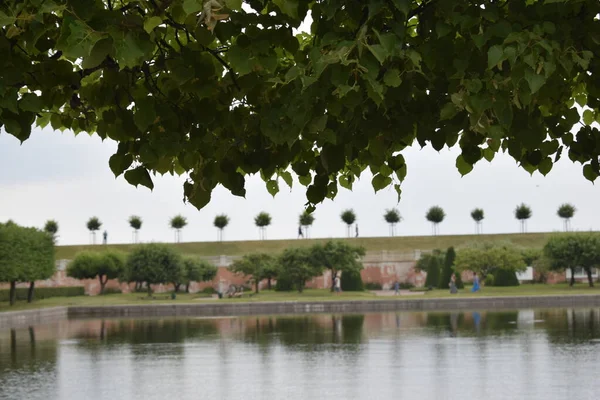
(306, 218)
(297, 266)
(198, 270)
(262, 220)
(178, 222)
(135, 222)
(221, 221)
(522, 212)
(51, 227)
(348, 217)
(435, 215)
(93, 224)
(486, 258)
(477, 215)
(392, 216)
(92, 265)
(154, 263)
(216, 91)
(566, 211)
(258, 266)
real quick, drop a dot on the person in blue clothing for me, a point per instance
(475, 283)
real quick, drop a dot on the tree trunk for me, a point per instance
(102, 283)
(30, 291)
(269, 283)
(187, 287)
(149, 287)
(589, 275)
(300, 286)
(176, 286)
(572, 276)
(13, 293)
(256, 282)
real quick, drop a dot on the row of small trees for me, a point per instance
(148, 264)
(435, 215)
(26, 255)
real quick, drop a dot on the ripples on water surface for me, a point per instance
(542, 354)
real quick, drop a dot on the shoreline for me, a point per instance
(18, 319)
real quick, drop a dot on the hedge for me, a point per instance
(351, 281)
(44, 293)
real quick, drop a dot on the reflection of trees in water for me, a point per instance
(571, 326)
(304, 332)
(473, 323)
(20, 350)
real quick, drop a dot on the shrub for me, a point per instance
(433, 272)
(352, 281)
(208, 290)
(372, 286)
(406, 285)
(489, 280)
(504, 277)
(45, 293)
(284, 284)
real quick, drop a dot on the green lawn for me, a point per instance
(307, 295)
(398, 243)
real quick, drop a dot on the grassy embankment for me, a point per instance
(373, 244)
(307, 295)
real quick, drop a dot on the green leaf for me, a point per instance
(545, 166)
(204, 36)
(287, 177)
(534, 80)
(30, 102)
(145, 113)
(589, 173)
(119, 163)
(129, 50)
(273, 187)
(588, 117)
(380, 182)
(463, 166)
(403, 6)
(139, 176)
(152, 23)
(392, 78)
(239, 60)
(581, 100)
(5, 20)
(316, 194)
(234, 4)
(289, 7)
(379, 52)
(448, 111)
(101, 49)
(345, 182)
(495, 55)
(192, 6)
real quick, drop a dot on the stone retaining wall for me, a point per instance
(356, 306)
(20, 319)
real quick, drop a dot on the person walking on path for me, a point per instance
(337, 285)
(452, 284)
(300, 233)
(396, 288)
(476, 287)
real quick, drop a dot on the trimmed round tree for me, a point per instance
(478, 216)
(262, 221)
(566, 212)
(135, 223)
(177, 223)
(306, 220)
(220, 222)
(435, 215)
(93, 225)
(154, 264)
(392, 217)
(523, 213)
(349, 218)
(101, 265)
(51, 227)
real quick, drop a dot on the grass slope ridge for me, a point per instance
(371, 244)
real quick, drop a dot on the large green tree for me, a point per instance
(26, 255)
(197, 270)
(337, 257)
(258, 266)
(573, 251)
(220, 89)
(153, 263)
(102, 265)
(298, 266)
(486, 258)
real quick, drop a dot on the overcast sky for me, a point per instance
(58, 176)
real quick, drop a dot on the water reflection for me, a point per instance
(411, 355)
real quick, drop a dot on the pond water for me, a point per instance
(533, 354)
